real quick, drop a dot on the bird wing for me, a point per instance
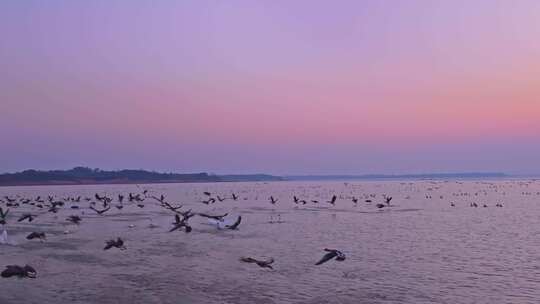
(248, 260)
(108, 245)
(235, 225)
(327, 257)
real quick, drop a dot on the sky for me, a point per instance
(279, 87)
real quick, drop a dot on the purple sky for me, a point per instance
(281, 87)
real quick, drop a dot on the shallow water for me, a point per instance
(419, 250)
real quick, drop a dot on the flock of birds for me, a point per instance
(102, 204)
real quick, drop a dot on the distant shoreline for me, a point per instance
(87, 176)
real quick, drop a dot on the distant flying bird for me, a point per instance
(3, 216)
(36, 235)
(26, 216)
(209, 201)
(333, 200)
(100, 212)
(260, 263)
(75, 219)
(331, 253)
(273, 200)
(118, 243)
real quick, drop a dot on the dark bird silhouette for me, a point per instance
(388, 199)
(333, 200)
(75, 219)
(3, 216)
(118, 243)
(53, 209)
(170, 207)
(100, 212)
(236, 224)
(26, 216)
(215, 217)
(160, 199)
(260, 263)
(355, 200)
(234, 197)
(26, 271)
(331, 253)
(120, 198)
(296, 200)
(182, 222)
(221, 199)
(207, 193)
(36, 235)
(209, 201)
(273, 200)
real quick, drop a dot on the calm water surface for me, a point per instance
(419, 250)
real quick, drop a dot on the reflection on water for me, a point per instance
(418, 250)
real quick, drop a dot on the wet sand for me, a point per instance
(419, 250)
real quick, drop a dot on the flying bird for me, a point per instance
(333, 200)
(331, 253)
(100, 212)
(235, 225)
(26, 216)
(118, 243)
(75, 219)
(260, 263)
(36, 235)
(215, 217)
(26, 271)
(3, 215)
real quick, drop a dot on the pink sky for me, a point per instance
(283, 87)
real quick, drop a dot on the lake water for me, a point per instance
(418, 250)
